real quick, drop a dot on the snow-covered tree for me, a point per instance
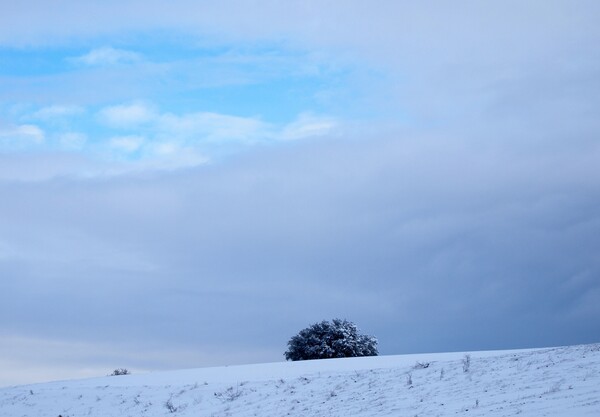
(335, 339)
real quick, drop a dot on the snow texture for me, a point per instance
(562, 381)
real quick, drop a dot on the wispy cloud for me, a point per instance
(21, 136)
(126, 143)
(308, 125)
(153, 135)
(126, 115)
(213, 127)
(57, 111)
(107, 56)
(140, 133)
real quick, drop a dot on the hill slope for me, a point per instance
(561, 381)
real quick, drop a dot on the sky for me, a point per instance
(188, 184)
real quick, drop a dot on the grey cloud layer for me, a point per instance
(428, 246)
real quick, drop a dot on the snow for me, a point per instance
(563, 381)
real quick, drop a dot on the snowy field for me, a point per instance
(562, 381)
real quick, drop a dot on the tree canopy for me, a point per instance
(325, 340)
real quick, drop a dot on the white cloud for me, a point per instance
(172, 140)
(56, 111)
(126, 143)
(168, 156)
(30, 131)
(151, 155)
(143, 136)
(214, 127)
(107, 56)
(165, 148)
(127, 115)
(308, 125)
(21, 136)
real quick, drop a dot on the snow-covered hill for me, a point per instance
(561, 381)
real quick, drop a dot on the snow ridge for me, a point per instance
(562, 381)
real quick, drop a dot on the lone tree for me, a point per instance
(120, 371)
(325, 340)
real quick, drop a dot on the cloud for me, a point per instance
(162, 155)
(139, 132)
(57, 111)
(126, 115)
(126, 144)
(429, 236)
(308, 125)
(45, 166)
(174, 137)
(107, 56)
(213, 127)
(21, 136)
